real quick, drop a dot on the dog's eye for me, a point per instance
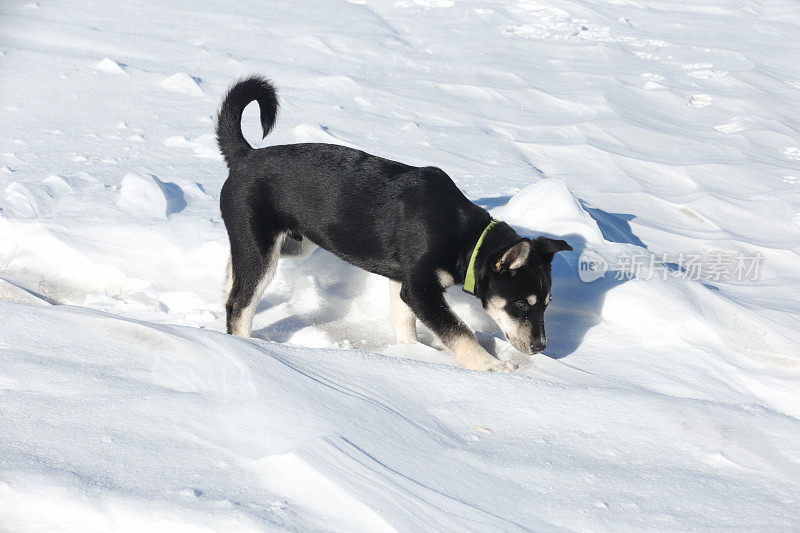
(522, 304)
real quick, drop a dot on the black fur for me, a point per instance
(392, 219)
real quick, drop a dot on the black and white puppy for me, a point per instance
(409, 224)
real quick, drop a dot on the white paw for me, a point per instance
(471, 355)
(505, 367)
(496, 365)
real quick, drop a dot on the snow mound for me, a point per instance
(150, 196)
(182, 83)
(110, 66)
(547, 206)
(20, 200)
(44, 263)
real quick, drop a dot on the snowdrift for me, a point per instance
(113, 423)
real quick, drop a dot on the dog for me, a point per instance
(409, 224)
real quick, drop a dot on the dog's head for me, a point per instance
(518, 290)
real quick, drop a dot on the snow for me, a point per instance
(182, 83)
(627, 128)
(142, 424)
(110, 66)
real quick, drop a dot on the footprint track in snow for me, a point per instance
(696, 66)
(700, 100)
(731, 127)
(707, 74)
(425, 3)
(791, 152)
(549, 23)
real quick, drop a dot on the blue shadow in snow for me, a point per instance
(615, 227)
(173, 194)
(492, 201)
(577, 306)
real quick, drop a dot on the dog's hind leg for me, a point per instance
(253, 264)
(404, 321)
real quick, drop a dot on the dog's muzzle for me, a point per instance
(529, 347)
(537, 346)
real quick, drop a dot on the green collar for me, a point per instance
(469, 279)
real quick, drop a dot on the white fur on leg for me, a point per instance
(243, 325)
(403, 320)
(471, 355)
(229, 277)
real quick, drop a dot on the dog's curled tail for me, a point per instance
(231, 142)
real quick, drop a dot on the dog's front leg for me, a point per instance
(425, 297)
(403, 320)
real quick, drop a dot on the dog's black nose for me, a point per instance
(538, 346)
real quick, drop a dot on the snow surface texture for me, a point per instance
(644, 127)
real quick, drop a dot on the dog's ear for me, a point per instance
(514, 257)
(548, 247)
